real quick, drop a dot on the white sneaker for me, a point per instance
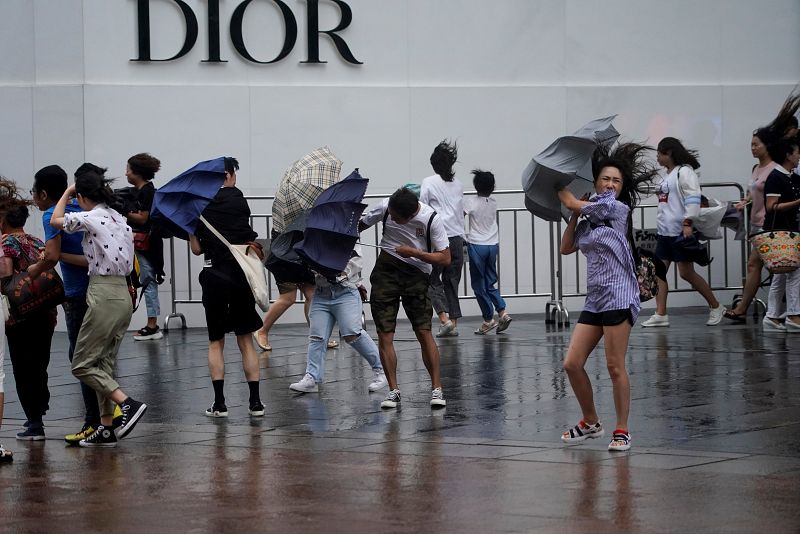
(437, 398)
(659, 320)
(378, 380)
(715, 315)
(392, 399)
(446, 329)
(485, 328)
(769, 324)
(306, 385)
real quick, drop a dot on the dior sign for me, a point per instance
(237, 39)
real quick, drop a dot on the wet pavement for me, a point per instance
(715, 421)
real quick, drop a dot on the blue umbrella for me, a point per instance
(332, 226)
(177, 205)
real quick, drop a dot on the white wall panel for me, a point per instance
(16, 134)
(179, 125)
(58, 126)
(58, 37)
(17, 64)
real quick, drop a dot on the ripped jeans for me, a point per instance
(331, 305)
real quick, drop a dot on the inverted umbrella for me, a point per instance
(302, 183)
(332, 226)
(567, 162)
(177, 205)
(283, 261)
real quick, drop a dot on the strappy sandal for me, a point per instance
(733, 316)
(621, 440)
(6, 456)
(582, 431)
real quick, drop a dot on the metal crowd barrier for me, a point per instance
(522, 236)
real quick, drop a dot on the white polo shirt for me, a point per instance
(412, 234)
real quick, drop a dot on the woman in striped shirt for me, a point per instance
(612, 299)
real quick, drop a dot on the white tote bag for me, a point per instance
(251, 264)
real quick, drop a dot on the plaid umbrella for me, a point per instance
(302, 184)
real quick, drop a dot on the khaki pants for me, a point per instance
(103, 328)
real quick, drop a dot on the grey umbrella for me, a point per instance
(567, 162)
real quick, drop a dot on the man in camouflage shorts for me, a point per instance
(413, 240)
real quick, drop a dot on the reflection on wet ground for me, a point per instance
(715, 417)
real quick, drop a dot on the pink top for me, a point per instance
(757, 182)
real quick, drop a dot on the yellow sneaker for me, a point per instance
(85, 432)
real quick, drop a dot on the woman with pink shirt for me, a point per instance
(765, 165)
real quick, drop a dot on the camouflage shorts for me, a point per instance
(393, 281)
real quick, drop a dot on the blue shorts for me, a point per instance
(668, 250)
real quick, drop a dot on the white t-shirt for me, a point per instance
(482, 215)
(447, 199)
(678, 199)
(107, 240)
(412, 234)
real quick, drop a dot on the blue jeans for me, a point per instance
(147, 277)
(74, 311)
(483, 276)
(331, 305)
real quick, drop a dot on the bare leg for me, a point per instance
(584, 340)
(616, 345)
(687, 272)
(216, 362)
(443, 317)
(663, 291)
(751, 283)
(249, 358)
(308, 293)
(388, 357)
(430, 355)
(284, 302)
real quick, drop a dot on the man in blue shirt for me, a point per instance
(60, 247)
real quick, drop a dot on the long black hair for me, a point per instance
(638, 171)
(97, 188)
(443, 158)
(786, 119)
(680, 154)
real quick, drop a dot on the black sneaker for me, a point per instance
(217, 410)
(102, 437)
(257, 409)
(132, 411)
(31, 434)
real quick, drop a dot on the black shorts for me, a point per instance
(228, 302)
(606, 318)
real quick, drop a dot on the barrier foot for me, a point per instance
(174, 316)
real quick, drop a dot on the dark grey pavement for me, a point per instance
(715, 422)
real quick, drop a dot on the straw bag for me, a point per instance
(779, 250)
(252, 265)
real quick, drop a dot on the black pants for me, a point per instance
(29, 350)
(445, 280)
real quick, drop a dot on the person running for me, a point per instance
(65, 249)
(108, 247)
(413, 240)
(678, 206)
(444, 193)
(227, 298)
(140, 171)
(782, 193)
(612, 296)
(482, 249)
(339, 302)
(29, 337)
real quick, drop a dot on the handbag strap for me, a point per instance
(215, 232)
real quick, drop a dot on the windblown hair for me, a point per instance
(97, 188)
(680, 154)
(144, 165)
(483, 181)
(231, 165)
(638, 171)
(786, 119)
(443, 158)
(90, 167)
(13, 207)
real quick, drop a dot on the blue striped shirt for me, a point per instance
(610, 271)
